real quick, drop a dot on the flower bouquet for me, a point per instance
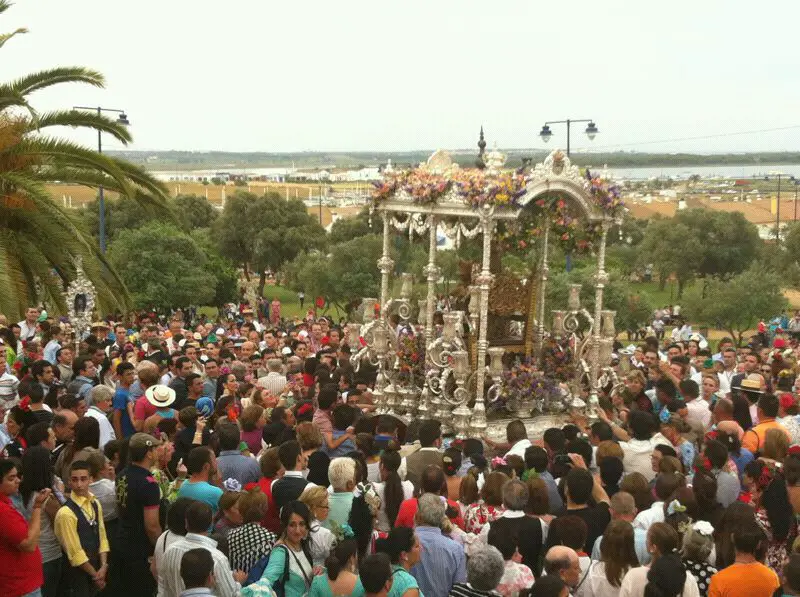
(523, 389)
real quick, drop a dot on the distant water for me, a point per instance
(684, 172)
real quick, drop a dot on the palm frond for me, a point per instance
(80, 118)
(53, 76)
(5, 5)
(6, 36)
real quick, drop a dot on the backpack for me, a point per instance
(257, 571)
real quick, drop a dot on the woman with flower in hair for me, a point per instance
(697, 545)
(490, 505)
(774, 514)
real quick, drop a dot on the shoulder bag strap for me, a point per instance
(585, 574)
(303, 570)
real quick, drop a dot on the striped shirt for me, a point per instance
(466, 590)
(442, 563)
(169, 574)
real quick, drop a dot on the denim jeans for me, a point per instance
(36, 593)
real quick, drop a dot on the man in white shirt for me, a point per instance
(517, 436)
(100, 401)
(698, 411)
(666, 484)
(198, 521)
(274, 381)
(28, 325)
(726, 376)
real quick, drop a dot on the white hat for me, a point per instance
(160, 396)
(286, 351)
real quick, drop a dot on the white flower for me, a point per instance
(704, 528)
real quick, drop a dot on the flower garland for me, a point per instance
(410, 355)
(523, 383)
(475, 187)
(606, 195)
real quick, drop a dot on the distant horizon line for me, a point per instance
(461, 151)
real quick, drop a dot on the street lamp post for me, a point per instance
(591, 129)
(121, 119)
(778, 208)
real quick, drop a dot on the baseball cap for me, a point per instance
(142, 440)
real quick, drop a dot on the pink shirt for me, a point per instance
(322, 421)
(143, 409)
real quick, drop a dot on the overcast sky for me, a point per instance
(286, 75)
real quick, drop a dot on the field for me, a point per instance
(81, 195)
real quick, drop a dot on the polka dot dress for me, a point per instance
(702, 572)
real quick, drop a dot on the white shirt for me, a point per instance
(273, 382)
(106, 428)
(165, 540)
(698, 411)
(725, 379)
(382, 521)
(646, 518)
(519, 448)
(484, 534)
(635, 581)
(26, 331)
(637, 455)
(170, 570)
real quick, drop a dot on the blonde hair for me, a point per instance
(314, 497)
(636, 376)
(608, 449)
(250, 417)
(308, 436)
(776, 445)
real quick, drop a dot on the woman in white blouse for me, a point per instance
(617, 556)
(391, 490)
(321, 540)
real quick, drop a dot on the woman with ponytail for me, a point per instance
(341, 573)
(403, 548)
(392, 490)
(665, 576)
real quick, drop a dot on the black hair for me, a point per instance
(190, 378)
(666, 577)
(288, 452)
(549, 585)
(229, 436)
(34, 391)
(602, 431)
(666, 450)
(197, 458)
(399, 540)
(361, 521)
(87, 435)
(37, 472)
(611, 469)
(432, 479)
(536, 459)
(393, 494)
(571, 530)
(506, 542)
(471, 447)
(80, 465)
(339, 556)
(769, 405)
(579, 484)
(343, 416)
(666, 484)
(387, 425)
(747, 538)
(641, 423)
(581, 447)
(741, 411)
(176, 515)
(37, 433)
(716, 452)
(374, 572)
(689, 389)
(198, 517)
(328, 394)
(554, 438)
(38, 367)
(451, 461)
(791, 573)
(196, 566)
(300, 509)
(430, 430)
(571, 432)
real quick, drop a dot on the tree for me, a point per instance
(345, 229)
(265, 232)
(227, 286)
(345, 275)
(671, 248)
(163, 267)
(121, 214)
(39, 240)
(737, 304)
(194, 212)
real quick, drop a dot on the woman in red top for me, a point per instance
(272, 469)
(20, 558)
(489, 507)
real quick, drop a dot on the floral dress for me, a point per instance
(516, 578)
(702, 572)
(479, 514)
(776, 550)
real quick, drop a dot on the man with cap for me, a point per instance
(138, 499)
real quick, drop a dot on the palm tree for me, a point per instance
(40, 240)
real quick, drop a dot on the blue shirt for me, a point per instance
(202, 492)
(233, 465)
(343, 449)
(341, 502)
(556, 503)
(121, 398)
(441, 565)
(50, 351)
(639, 545)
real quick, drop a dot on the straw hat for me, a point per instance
(160, 396)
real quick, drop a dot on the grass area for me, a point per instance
(290, 304)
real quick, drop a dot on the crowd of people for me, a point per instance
(179, 457)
